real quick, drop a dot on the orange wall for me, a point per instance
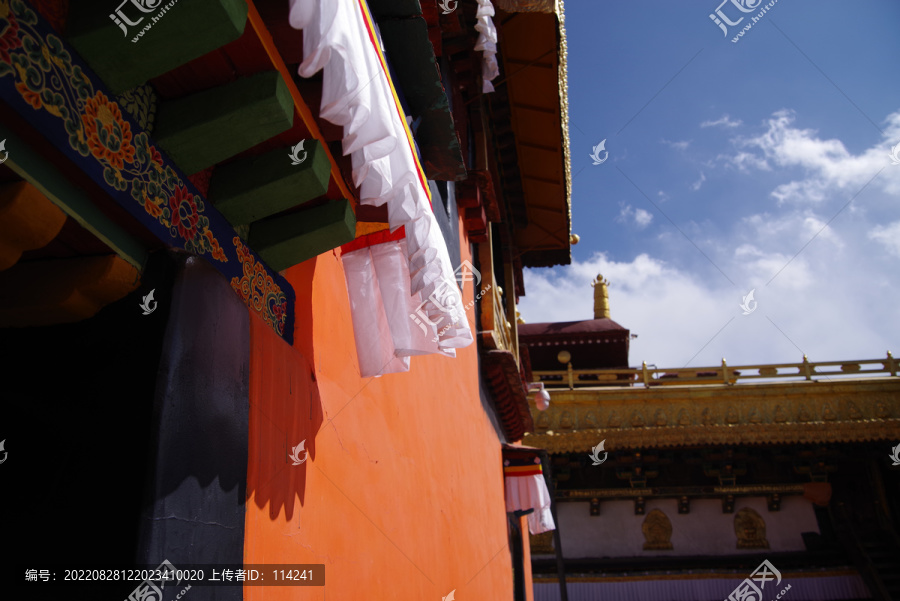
(402, 494)
(526, 555)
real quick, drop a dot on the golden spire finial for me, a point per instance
(601, 297)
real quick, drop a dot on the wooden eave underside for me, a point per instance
(534, 162)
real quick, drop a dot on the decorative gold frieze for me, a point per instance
(779, 413)
(589, 421)
(750, 490)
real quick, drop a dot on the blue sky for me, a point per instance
(726, 160)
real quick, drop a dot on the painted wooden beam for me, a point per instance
(44, 175)
(127, 46)
(46, 292)
(28, 220)
(254, 188)
(303, 110)
(286, 241)
(203, 129)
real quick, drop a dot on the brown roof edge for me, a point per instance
(508, 392)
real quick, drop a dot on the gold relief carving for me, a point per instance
(855, 411)
(614, 420)
(589, 421)
(660, 418)
(541, 543)
(543, 421)
(657, 531)
(787, 433)
(750, 529)
(631, 493)
(732, 416)
(780, 415)
(637, 419)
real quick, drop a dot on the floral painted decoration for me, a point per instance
(107, 137)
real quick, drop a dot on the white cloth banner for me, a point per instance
(357, 95)
(371, 328)
(530, 492)
(487, 44)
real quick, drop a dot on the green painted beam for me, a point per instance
(283, 242)
(254, 188)
(44, 176)
(203, 129)
(399, 9)
(170, 35)
(413, 66)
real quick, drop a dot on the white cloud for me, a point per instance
(724, 121)
(696, 185)
(830, 168)
(680, 145)
(805, 191)
(822, 267)
(889, 236)
(744, 161)
(683, 318)
(640, 217)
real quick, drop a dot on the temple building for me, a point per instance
(702, 484)
(259, 266)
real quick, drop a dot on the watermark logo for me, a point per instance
(743, 6)
(3, 449)
(152, 588)
(449, 596)
(144, 6)
(745, 303)
(595, 453)
(146, 306)
(748, 589)
(448, 6)
(296, 159)
(895, 456)
(466, 272)
(895, 154)
(3, 149)
(295, 453)
(445, 297)
(595, 156)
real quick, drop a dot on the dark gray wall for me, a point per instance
(196, 486)
(443, 201)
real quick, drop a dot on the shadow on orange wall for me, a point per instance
(402, 494)
(285, 409)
